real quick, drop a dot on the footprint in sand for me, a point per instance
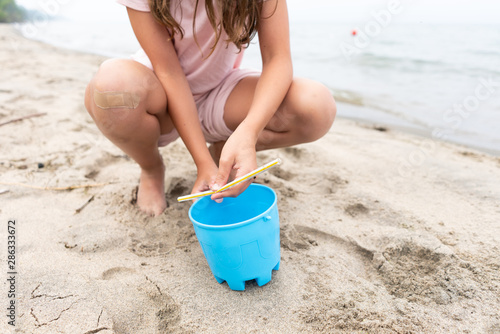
(175, 187)
(96, 162)
(137, 303)
(300, 237)
(345, 282)
(334, 303)
(116, 272)
(356, 209)
(421, 269)
(294, 240)
(283, 174)
(92, 174)
(295, 153)
(416, 267)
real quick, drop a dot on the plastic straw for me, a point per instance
(231, 184)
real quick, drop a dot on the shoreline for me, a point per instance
(381, 126)
(369, 241)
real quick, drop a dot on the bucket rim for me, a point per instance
(239, 224)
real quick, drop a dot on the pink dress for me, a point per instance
(202, 74)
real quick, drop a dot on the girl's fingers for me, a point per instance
(222, 175)
(233, 191)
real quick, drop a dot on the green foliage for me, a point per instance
(10, 12)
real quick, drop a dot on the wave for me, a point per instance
(475, 65)
(385, 105)
(384, 61)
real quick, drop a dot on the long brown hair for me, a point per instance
(239, 19)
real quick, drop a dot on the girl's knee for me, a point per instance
(111, 99)
(324, 105)
(316, 108)
(115, 87)
(115, 75)
(125, 84)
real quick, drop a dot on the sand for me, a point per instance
(381, 231)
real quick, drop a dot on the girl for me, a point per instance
(186, 82)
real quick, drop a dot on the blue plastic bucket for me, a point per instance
(240, 237)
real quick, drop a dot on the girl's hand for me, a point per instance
(205, 178)
(239, 156)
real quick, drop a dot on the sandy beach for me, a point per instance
(381, 231)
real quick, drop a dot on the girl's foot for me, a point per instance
(151, 193)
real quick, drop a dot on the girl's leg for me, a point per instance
(129, 106)
(305, 115)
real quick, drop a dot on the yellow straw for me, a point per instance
(193, 196)
(232, 183)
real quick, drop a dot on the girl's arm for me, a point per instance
(273, 85)
(156, 42)
(277, 72)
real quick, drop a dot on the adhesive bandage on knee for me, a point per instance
(108, 100)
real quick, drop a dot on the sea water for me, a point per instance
(431, 70)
